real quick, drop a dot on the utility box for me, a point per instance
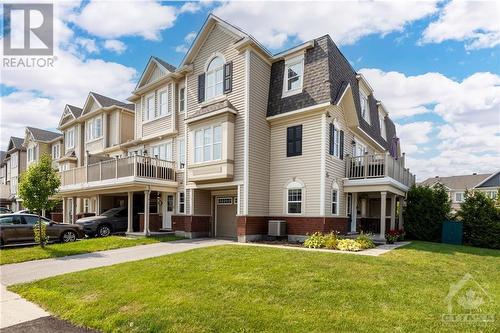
(452, 232)
(276, 228)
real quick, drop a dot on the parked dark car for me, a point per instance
(5, 210)
(111, 221)
(18, 228)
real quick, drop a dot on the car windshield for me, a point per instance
(111, 212)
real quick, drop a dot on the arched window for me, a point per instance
(335, 198)
(294, 197)
(214, 78)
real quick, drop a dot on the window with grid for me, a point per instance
(208, 144)
(294, 201)
(181, 202)
(214, 78)
(182, 99)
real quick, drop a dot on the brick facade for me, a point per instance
(191, 223)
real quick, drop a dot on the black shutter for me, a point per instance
(332, 138)
(228, 77)
(201, 88)
(294, 141)
(341, 145)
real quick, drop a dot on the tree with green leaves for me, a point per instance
(426, 210)
(37, 185)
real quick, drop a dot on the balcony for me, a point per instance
(120, 171)
(379, 166)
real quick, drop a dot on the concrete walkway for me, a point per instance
(15, 310)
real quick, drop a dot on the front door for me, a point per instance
(169, 210)
(226, 224)
(349, 211)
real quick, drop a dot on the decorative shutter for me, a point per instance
(332, 138)
(201, 88)
(298, 138)
(341, 145)
(228, 77)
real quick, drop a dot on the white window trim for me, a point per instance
(161, 91)
(455, 197)
(202, 129)
(179, 151)
(146, 107)
(291, 62)
(179, 104)
(357, 143)
(93, 137)
(335, 188)
(179, 203)
(362, 96)
(210, 59)
(295, 185)
(66, 142)
(163, 143)
(383, 131)
(31, 154)
(56, 148)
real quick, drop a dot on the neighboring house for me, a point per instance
(38, 141)
(236, 136)
(457, 185)
(4, 186)
(93, 134)
(14, 164)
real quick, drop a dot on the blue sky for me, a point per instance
(435, 65)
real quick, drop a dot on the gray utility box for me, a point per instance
(276, 228)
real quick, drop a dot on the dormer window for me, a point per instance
(294, 73)
(365, 108)
(214, 78)
(381, 120)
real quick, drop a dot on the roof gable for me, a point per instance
(38, 134)
(15, 143)
(70, 113)
(156, 68)
(491, 181)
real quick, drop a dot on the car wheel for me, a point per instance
(103, 231)
(68, 236)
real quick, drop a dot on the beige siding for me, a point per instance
(160, 125)
(259, 138)
(113, 128)
(127, 128)
(220, 41)
(95, 147)
(305, 168)
(202, 202)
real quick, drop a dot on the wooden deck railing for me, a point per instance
(379, 165)
(138, 166)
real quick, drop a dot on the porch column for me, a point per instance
(98, 205)
(383, 204)
(73, 209)
(354, 212)
(393, 211)
(363, 207)
(400, 222)
(65, 210)
(146, 212)
(130, 212)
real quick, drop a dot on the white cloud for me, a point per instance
(88, 44)
(475, 22)
(113, 19)
(181, 48)
(273, 23)
(188, 39)
(468, 140)
(190, 7)
(115, 45)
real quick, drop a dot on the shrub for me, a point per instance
(481, 219)
(348, 245)
(365, 242)
(426, 209)
(392, 236)
(331, 241)
(315, 241)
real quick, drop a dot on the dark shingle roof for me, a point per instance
(17, 142)
(3, 154)
(43, 135)
(165, 64)
(75, 110)
(457, 182)
(107, 101)
(492, 181)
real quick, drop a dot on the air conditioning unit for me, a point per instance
(276, 228)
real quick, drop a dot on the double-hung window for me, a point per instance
(294, 141)
(294, 201)
(336, 141)
(164, 103)
(182, 99)
(459, 197)
(294, 76)
(208, 144)
(162, 151)
(182, 153)
(31, 154)
(70, 138)
(150, 107)
(94, 128)
(56, 151)
(365, 109)
(335, 199)
(182, 201)
(381, 119)
(214, 78)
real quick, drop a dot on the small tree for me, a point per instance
(426, 209)
(37, 185)
(481, 220)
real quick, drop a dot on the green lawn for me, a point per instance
(246, 289)
(20, 254)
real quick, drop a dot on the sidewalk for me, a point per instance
(15, 310)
